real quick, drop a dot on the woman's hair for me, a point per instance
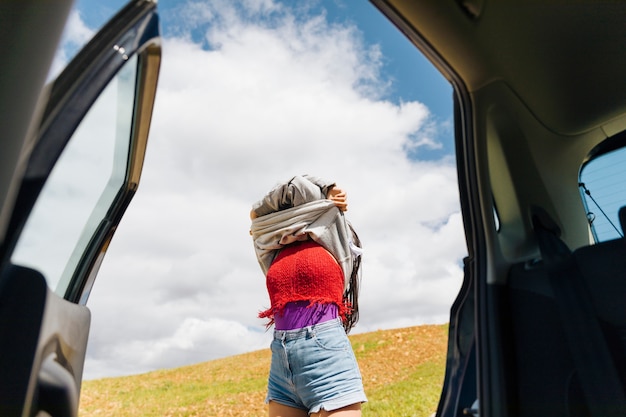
(351, 295)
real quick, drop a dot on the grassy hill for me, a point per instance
(402, 373)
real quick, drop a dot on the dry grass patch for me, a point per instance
(402, 373)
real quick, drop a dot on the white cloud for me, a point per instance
(189, 343)
(276, 95)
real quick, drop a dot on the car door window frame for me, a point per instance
(134, 31)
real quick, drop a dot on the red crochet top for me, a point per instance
(304, 271)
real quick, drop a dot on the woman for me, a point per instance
(311, 258)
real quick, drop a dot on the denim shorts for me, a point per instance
(314, 369)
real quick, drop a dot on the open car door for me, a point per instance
(71, 162)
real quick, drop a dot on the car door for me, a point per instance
(72, 154)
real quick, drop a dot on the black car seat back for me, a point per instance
(569, 327)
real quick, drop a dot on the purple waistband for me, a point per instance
(298, 314)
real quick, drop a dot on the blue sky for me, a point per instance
(251, 93)
(602, 177)
(413, 76)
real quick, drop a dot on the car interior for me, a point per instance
(538, 327)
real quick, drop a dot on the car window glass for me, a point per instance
(82, 185)
(602, 184)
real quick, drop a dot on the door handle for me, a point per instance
(57, 393)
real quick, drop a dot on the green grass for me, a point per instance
(402, 373)
(414, 396)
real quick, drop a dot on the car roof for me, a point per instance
(566, 62)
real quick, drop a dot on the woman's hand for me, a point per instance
(339, 197)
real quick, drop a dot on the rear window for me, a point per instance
(603, 188)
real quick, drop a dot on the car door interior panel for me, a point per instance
(41, 363)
